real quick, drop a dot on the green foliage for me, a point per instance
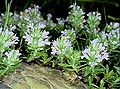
(58, 44)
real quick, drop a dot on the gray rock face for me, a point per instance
(37, 77)
(3, 86)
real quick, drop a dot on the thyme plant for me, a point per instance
(32, 38)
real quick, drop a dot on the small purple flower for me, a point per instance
(28, 38)
(93, 63)
(42, 25)
(49, 16)
(95, 41)
(45, 34)
(61, 21)
(30, 26)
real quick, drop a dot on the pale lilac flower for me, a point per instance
(36, 7)
(15, 17)
(8, 33)
(46, 42)
(85, 53)
(60, 21)
(28, 38)
(12, 57)
(13, 28)
(67, 43)
(45, 34)
(93, 63)
(61, 46)
(42, 25)
(7, 43)
(28, 10)
(55, 43)
(114, 38)
(0, 29)
(103, 35)
(95, 41)
(8, 38)
(30, 26)
(12, 52)
(13, 40)
(94, 15)
(54, 51)
(49, 16)
(96, 52)
(2, 14)
(105, 55)
(100, 46)
(43, 42)
(114, 25)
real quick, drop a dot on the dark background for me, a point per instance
(59, 8)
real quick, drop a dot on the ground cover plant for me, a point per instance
(76, 44)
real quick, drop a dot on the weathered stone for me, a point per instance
(3, 86)
(37, 77)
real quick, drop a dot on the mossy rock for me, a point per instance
(38, 77)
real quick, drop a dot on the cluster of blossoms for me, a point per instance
(36, 39)
(29, 17)
(76, 17)
(112, 38)
(95, 52)
(49, 22)
(60, 24)
(9, 57)
(12, 17)
(31, 14)
(61, 46)
(70, 34)
(113, 25)
(12, 58)
(93, 21)
(64, 43)
(7, 39)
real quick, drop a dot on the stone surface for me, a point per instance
(37, 77)
(3, 86)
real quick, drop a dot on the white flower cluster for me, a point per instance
(12, 58)
(7, 39)
(93, 21)
(76, 17)
(95, 52)
(94, 16)
(112, 38)
(61, 21)
(49, 22)
(60, 46)
(31, 14)
(30, 17)
(64, 43)
(8, 20)
(114, 25)
(36, 38)
(69, 34)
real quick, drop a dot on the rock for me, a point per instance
(38, 77)
(3, 86)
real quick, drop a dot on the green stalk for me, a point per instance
(7, 7)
